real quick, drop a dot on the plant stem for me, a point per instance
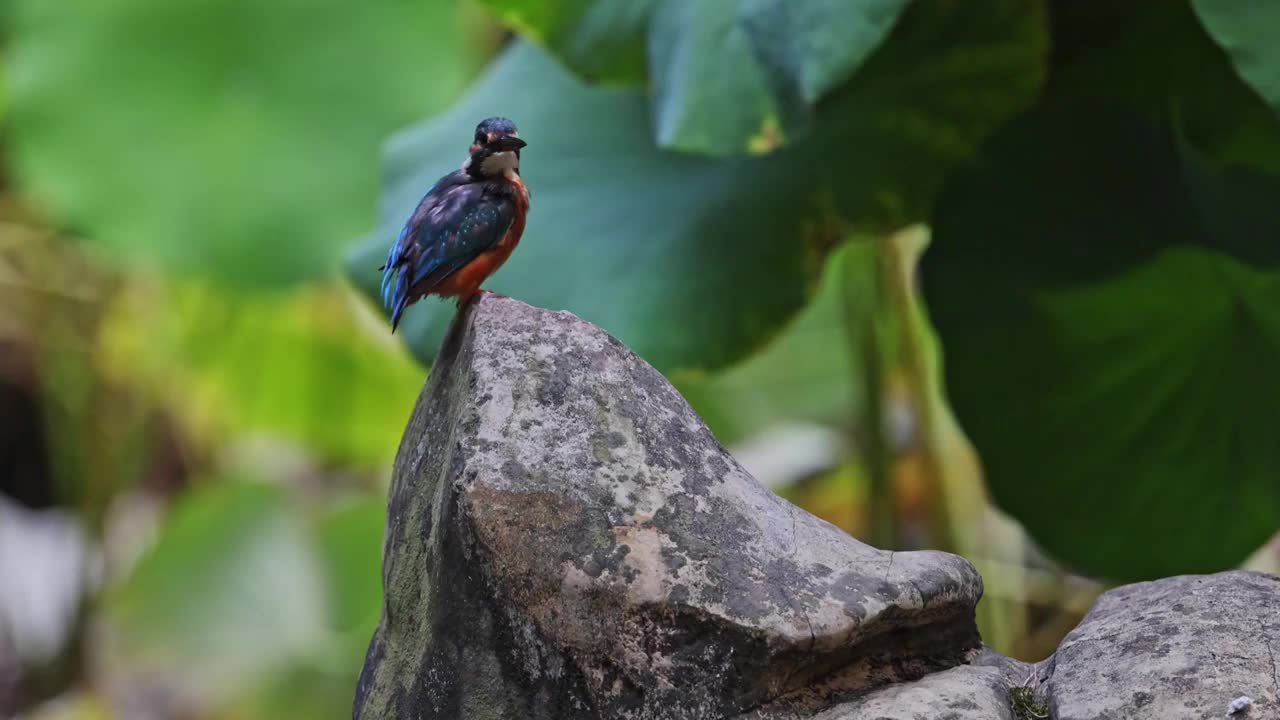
(896, 267)
(863, 332)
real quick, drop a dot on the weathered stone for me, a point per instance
(1182, 647)
(961, 693)
(984, 688)
(567, 540)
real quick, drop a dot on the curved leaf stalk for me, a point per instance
(895, 267)
(961, 519)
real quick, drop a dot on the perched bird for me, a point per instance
(464, 228)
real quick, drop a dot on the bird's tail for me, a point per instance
(401, 302)
(395, 290)
(397, 277)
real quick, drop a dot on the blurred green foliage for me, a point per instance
(230, 568)
(233, 139)
(307, 366)
(244, 591)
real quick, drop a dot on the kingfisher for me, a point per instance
(464, 228)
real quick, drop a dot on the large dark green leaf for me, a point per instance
(691, 261)
(601, 40)
(227, 138)
(711, 93)
(1157, 59)
(807, 374)
(950, 74)
(1247, 31)
(727, 75)
(736, 75)
(695, 261)
(1110, 311)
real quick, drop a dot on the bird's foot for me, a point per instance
(482, 293)
(464, 300)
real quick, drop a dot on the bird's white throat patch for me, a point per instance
(500, 163)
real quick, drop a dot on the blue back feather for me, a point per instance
(456, 220)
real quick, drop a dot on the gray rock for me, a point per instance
(961, 693)
(981, 689)
(1182, 647)
(567, 540)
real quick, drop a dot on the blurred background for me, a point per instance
(994, 276)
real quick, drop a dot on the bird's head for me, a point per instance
(495, 148)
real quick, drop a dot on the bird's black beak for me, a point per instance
(509, 142)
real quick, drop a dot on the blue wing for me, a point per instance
(457, 220)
